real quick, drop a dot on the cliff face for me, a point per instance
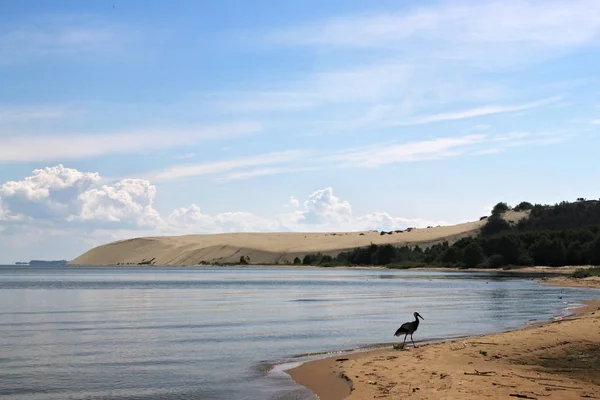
(258, 248)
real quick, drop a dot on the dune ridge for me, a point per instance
(264, 247)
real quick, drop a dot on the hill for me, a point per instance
(266, 248)
(551, 235)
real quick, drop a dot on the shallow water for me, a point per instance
(214, 333)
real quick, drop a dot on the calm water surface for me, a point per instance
(214, 333)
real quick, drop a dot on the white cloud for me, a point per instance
(218, 167)
(192, 220)
(294, 202)
(476, 112)
(321, 211)
(77, 212)
(263, 172)
(19, 148)
(22, 113)
(292, 161)
(489, 151)
(65, 195)
(376, 156)
(324, 207)
(450, 29)
(127, 200)
(61, 35)
(379, 89)
(324, 211)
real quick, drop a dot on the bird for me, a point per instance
(408, 328)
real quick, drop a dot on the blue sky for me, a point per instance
(122, 119)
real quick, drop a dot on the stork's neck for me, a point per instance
(416, 321)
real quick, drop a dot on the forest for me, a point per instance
(567, 233)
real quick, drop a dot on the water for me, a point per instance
(214, 333)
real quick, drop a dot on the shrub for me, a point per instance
(524, 205)
(495, 224)
(584, 273)
(500, 208)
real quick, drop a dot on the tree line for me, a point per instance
(567, 233)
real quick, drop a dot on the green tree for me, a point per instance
(452, 256)
(495, 224)
(524, 205)
(500, 208)
(473, 255)
(509, 247)
(385, 254)
(548, 251)
(593, 252)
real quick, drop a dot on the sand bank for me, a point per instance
(556, 360)
(265, 248)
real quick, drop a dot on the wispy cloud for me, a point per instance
(184, 156)
(446, 30)
(326, 87)
(12, 113)
(377, 155)
(477, 112)
(18, 148)
(220, 167)
(253, 173)
(61, 35)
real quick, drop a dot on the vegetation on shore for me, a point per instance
(567, 233)
(585, 273)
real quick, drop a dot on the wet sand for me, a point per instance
(559, 359)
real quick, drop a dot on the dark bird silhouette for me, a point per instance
(408, 328)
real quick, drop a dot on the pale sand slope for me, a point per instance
(557, 360)
(263, 248)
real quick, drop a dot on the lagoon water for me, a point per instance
(215, 333)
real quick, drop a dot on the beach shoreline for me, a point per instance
(527, 361)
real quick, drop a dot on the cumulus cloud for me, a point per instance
(193, 220)
(61, 197)
(48, 193)
(64, 195)
(324, 211)
(324, 207)
(78, 210)
(128, 200)
(294, 202)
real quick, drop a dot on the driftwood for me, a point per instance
(522, 396)
(480, 373)
(533, 378)
(494, 344)
(563, 387)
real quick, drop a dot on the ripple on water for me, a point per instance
(212, 333)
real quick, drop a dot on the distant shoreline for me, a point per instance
(545, 270)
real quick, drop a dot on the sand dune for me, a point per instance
(263, 248)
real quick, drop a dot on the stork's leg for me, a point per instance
(414, 345)
(403, 344)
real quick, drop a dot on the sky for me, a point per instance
(122, 119)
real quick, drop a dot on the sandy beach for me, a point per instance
(559, 359)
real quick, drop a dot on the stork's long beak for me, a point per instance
(419, 315)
